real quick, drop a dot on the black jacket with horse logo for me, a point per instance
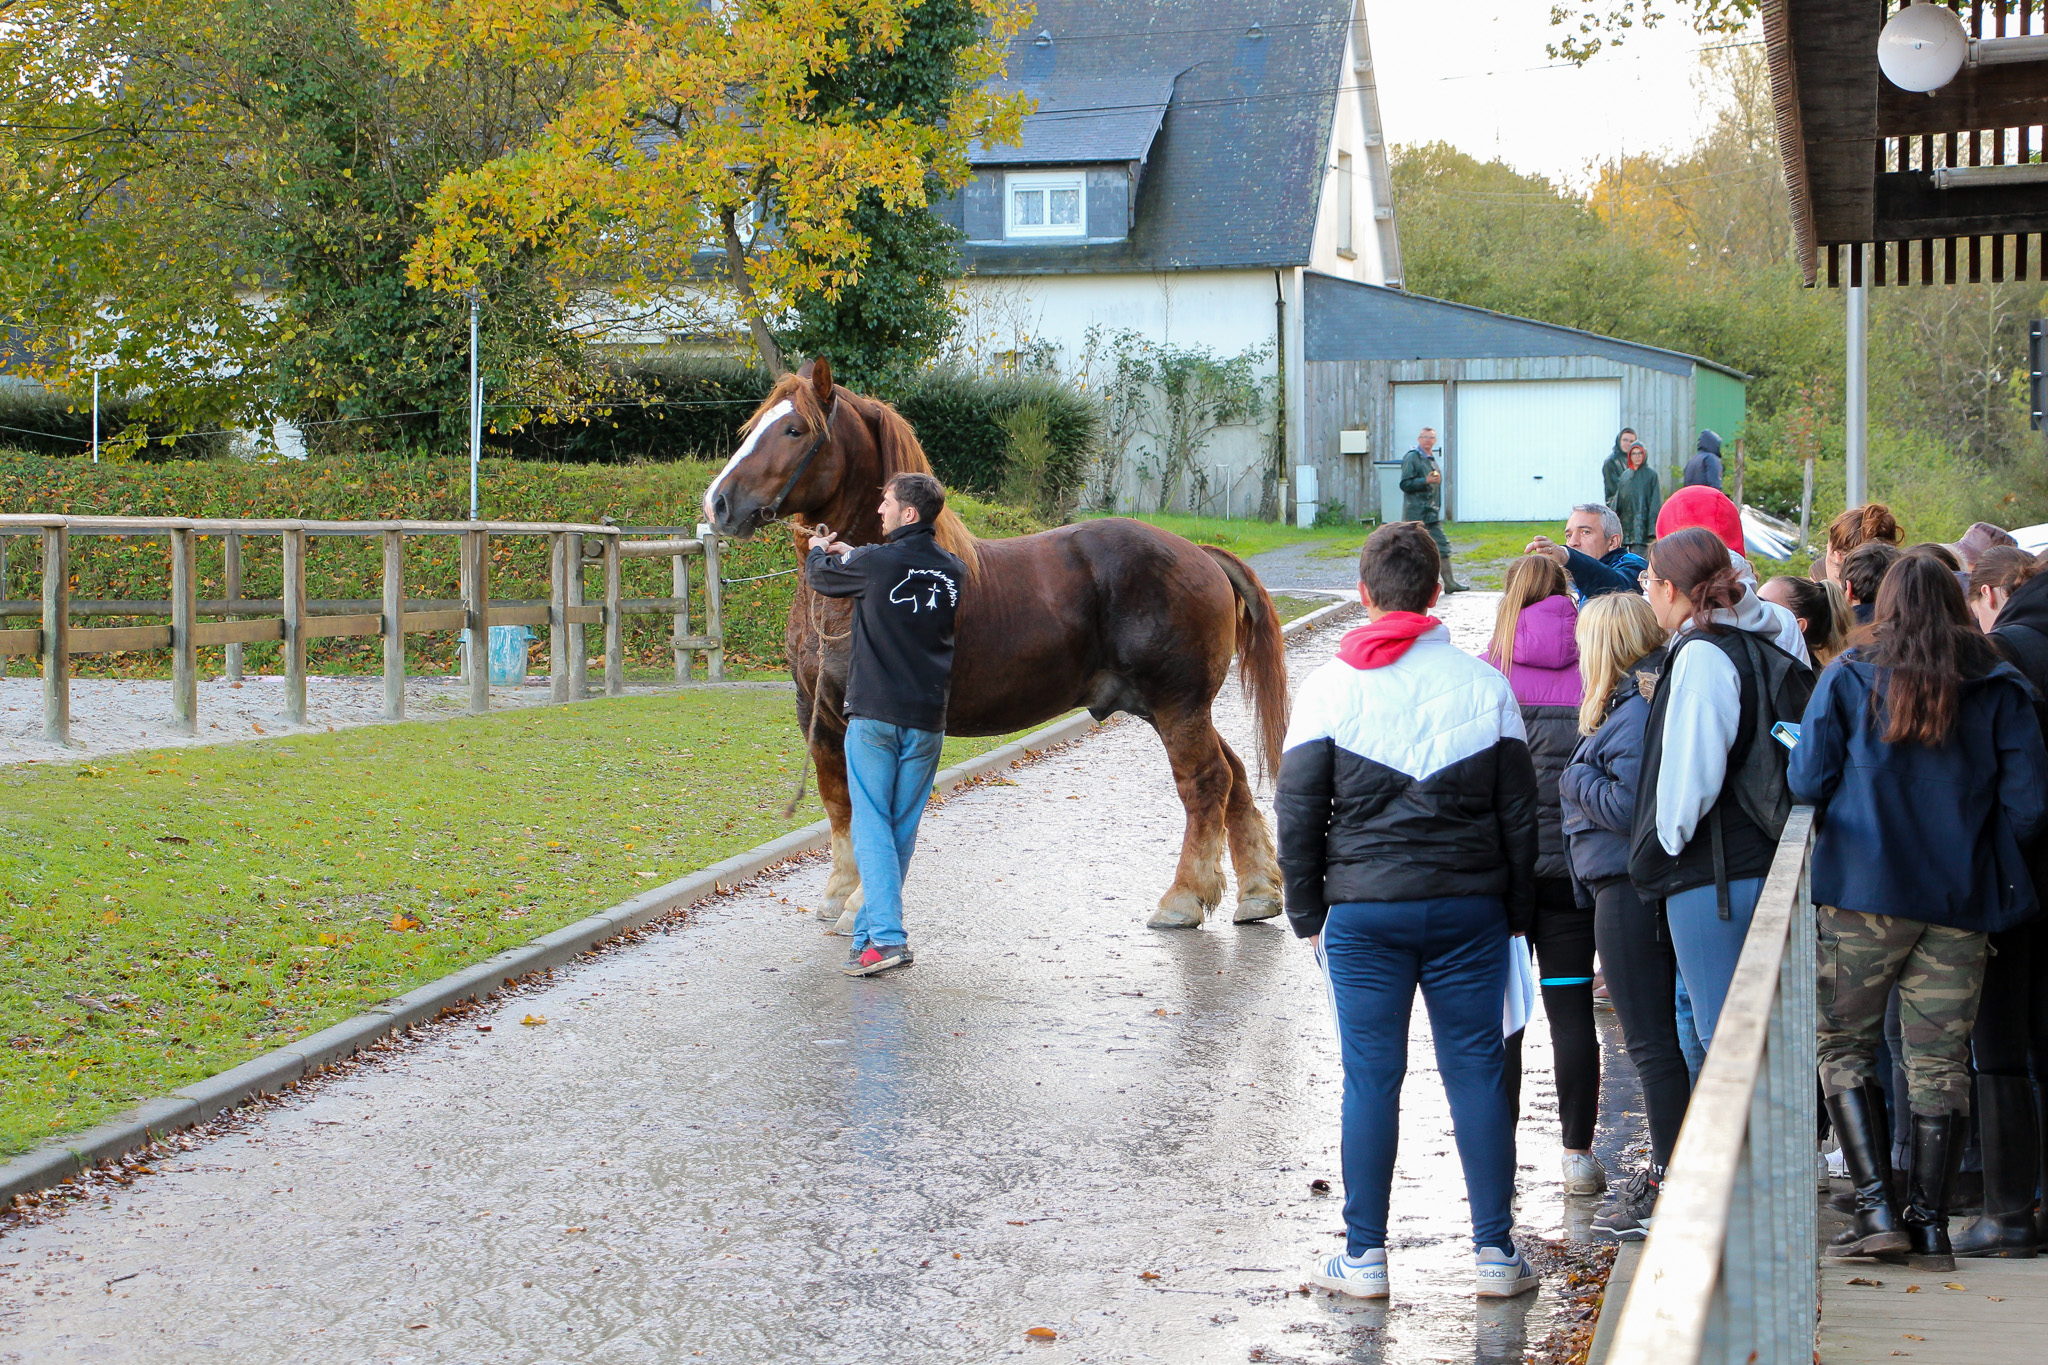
(907, 590)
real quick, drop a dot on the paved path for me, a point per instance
(717, 1148)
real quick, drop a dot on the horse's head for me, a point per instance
(786, 464)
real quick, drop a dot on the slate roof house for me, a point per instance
(1189, 162)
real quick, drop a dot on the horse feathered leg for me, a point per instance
(842, 888)
(1204, 779)
(1251, 848)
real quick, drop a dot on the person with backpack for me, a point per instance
(1534, 644)
(2009, 598)
(1621, 654)
(1922, 752)
(1712, 799)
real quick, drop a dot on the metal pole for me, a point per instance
(476, 410)
(1855, 419)
(95, 416)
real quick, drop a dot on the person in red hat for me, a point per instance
(1699, 505)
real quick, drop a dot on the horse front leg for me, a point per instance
(1251, 848)
(842, 888)
(1203, 776)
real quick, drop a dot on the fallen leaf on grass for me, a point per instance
(1041, 1334)
(532, 1019)
(402, 921)
(172, 839)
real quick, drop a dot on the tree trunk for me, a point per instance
(736, 262)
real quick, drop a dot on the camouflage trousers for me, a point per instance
(1939, 972)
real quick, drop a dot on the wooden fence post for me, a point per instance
(394, 625)
(233, 572)
(478, 603)
(558, 618)
(57, 634)
(295, 626)
(579, 659)
(184, 616)
(714, 603)
(614, 620)
(681, 587)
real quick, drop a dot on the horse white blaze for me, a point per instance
(768, 419)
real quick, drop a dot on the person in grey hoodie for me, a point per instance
(1705, 466)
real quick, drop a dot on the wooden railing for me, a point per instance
(1730, 1274)
(293, 620)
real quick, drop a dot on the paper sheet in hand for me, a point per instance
(1520, 1001)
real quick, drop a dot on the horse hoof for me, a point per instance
(832, 908)
(1179, 910)
(1252, 909)
(844, 927)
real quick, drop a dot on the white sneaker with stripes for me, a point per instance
(1364, 1278)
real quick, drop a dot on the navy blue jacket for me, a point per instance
(1933, 834)
(1598, 788)
(1615, 571)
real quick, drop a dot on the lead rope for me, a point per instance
(803, 773)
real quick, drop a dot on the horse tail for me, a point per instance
(1261, 655)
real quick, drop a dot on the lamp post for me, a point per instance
(476, 410)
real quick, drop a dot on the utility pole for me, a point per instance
(476, 410)
(1855, 418)
(95, 416)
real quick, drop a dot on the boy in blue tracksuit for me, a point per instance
(1407, 809)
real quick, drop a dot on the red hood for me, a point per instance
(1699, 505)
(1385, 640)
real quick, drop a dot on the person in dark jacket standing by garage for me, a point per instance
(906, 592)
(1407, 812)
(1704, 468)
(2009, 598)
(1924, 755)
(1534, 645)
(1422, 483)
(1637, 502)
(1616, 464)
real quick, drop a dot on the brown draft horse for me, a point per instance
(1113, 615)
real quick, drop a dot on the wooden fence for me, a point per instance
(293, 620)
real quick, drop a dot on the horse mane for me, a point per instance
(895, 443)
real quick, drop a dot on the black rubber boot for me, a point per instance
(1859, 1120)
(1450, 577)
(2009, 1132)
(1937, 1147)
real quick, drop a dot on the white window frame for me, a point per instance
(1045, 181)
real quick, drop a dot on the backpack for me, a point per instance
(1774, 686)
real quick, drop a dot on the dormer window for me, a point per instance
(1047, 205)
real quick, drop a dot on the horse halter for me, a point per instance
(824, 434)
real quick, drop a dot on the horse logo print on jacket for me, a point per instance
(1406, 776)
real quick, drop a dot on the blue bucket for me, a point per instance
(508, 655)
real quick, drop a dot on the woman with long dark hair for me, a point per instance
(1924, 754)
(1533, 643)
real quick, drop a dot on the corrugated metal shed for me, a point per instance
(1361, 341)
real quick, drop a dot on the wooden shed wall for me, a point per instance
(1347, 395)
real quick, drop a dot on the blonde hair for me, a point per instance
(1844, 617)
(1615, 631)
(1529, 580)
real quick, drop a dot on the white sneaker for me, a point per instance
(1365, 1278)
(1583, 1174)
(1504, 1274)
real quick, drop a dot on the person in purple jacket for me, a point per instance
(1535, 645)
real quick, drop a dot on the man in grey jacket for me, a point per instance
(1422, 481)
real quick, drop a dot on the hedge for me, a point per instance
(368, 488)
(695, 407)
(49, 423)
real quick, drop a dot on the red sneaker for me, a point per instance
(878, 957)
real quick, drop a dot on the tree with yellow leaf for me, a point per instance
(693, 157)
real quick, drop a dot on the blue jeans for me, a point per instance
(1707, 945)
(889, 771)
(1375, 954)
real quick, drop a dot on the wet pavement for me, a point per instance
(718, 1148)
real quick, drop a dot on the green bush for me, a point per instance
(36, 419)
(370, 488)
(693, 406)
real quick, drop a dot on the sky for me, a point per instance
(1486, 86)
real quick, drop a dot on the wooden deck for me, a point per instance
(1980, 1313)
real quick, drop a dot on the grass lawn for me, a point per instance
(168, 915)
(1481, 549)
(1240, 537)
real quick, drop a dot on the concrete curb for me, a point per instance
(271, 1072)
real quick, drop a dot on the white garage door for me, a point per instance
(1528, 449)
